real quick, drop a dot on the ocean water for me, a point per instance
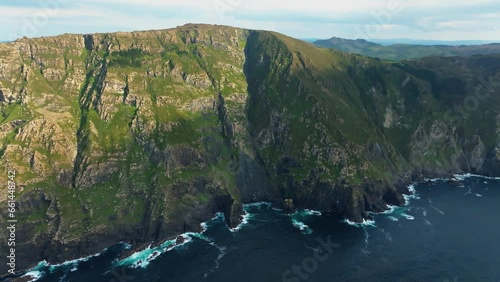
(444, 233)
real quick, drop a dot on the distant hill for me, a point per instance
(398, 52)
(352, 46)
(312, 40)
(430, 42)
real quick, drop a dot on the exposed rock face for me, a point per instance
(141, 136)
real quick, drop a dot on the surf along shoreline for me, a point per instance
(158, 248)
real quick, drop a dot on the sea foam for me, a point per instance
(304, 228)
(311, 212)
(244, 221)
(364, 223)
(141, 259)
(462, 177)
(412, 196)
(36, 273)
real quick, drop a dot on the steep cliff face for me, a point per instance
(141, 136)
(344, 133)
(126, 136)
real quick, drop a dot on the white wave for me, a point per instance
(407, 216)
(469, 175)
(428, 222)
(222, 253)
(204, 225)
(436, 179)
(141, 259)
(257, 205)
(302, 226)
(126, 246)
(390, 209)
(138, 259)
(311, 212)
(411, 188)
(218, 216)
(393, 218)
(35, 273)
(407, 200)
(75, 262)
(194, 235)
(51, 267)
(479, 195)
(413, 195)
(364, 223)
(462, 177)
(244, 221)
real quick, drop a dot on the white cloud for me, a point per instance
(430, 19)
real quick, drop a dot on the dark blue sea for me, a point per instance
(444, 233)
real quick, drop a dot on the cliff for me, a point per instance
(141, 136)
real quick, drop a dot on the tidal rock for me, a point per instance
(180, 240)
(288, 206)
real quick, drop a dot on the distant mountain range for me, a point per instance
(397, 52)
(430, 42)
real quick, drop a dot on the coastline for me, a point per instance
(32, 274)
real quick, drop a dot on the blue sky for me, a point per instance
(368, 19)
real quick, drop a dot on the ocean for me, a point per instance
(444, 233)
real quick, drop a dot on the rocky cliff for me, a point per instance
(141, 136)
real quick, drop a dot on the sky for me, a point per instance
(367, 19)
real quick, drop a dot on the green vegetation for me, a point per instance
(128, 58)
